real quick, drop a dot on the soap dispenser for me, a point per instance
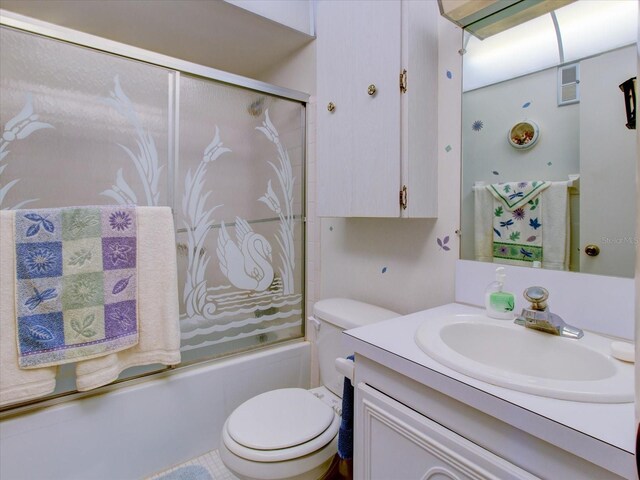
(499, 304)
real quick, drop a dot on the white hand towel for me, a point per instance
(159, 327)
(483, 229)
(555, 236)
(16, 384)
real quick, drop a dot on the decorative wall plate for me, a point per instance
(524, 134)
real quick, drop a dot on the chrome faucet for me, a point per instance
(539, 317)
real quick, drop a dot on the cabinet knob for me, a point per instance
(592, 250)
(371, 90)
(331, 107)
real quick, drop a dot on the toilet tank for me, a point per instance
(335, 315)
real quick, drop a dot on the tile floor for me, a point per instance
(211, 461)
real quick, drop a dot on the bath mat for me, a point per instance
(190, 472)
(76, 287)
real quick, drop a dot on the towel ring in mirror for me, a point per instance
(524, 134)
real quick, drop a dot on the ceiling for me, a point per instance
(581, 29)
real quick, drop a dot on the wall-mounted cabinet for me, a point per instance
(377, 109)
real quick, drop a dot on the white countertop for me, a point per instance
(565, 423)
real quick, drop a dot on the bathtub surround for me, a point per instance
(149, 425)
(159, 332)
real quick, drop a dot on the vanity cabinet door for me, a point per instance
(373, 139)
(394, 442)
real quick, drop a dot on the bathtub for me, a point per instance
(137, 430)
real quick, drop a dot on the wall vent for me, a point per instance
(568, 84)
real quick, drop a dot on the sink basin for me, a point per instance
(508, 355)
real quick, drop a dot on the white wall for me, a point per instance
(419, 273)
(297, 14)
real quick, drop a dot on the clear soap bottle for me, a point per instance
(498, 303)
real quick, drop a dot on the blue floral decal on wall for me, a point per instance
(477, 125)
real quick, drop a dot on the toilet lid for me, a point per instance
(279, 419)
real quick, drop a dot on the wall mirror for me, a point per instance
(568, 200)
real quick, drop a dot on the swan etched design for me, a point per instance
(246, 262)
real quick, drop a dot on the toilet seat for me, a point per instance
(280, 425)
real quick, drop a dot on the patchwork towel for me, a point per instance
(159, 319)
(517, 222)
(16, 384)
(517, 194)
(159, 327)
(76, 285)
(345, 434)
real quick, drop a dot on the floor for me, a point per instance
(210, 461)
(339, 470)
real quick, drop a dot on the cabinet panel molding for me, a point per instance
(392, 439)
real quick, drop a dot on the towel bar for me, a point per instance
(574, 181)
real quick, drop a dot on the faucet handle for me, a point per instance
(537, 296)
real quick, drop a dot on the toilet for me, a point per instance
(292, 433)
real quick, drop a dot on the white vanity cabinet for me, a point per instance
(409, 430)
(395, 442)
(377, 108)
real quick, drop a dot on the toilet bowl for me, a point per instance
(292, 433)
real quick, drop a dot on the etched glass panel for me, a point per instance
(239, 222)
(80, 127)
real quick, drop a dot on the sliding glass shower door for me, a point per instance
(239, 217)
(85, 127)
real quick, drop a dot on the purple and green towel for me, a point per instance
(76, 283)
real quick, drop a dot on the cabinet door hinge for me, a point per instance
(403, 197)
(403, 81)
